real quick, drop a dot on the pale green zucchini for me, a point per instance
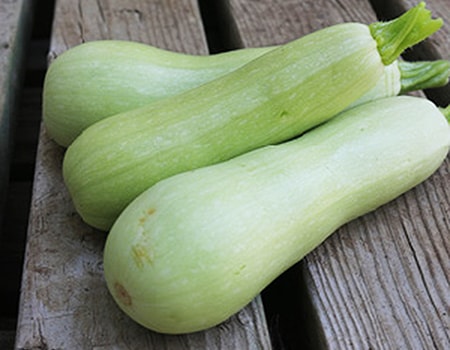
(197, 247)
(271, 99)
(99, 79)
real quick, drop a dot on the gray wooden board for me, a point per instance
(15, 19)
(64, 300)
(382, 281)
(262, 23)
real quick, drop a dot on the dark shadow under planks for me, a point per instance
(64, 300)
(24, 129)
(15, 19)
(386, 294)
(13, 239)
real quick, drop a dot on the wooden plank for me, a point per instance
(15, 19)
(381, 281)
(262, 23)
(173, 25)
(64, 300)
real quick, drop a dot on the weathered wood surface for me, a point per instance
(15, 19)
(261, 23)
(382, 281)
(64, 301)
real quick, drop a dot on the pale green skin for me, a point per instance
(98, 79)
(269, 100)
(197, 247)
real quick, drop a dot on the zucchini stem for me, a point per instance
(423, 74)
(395, 36)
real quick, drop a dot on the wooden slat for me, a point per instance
(15, 19)
(170, 24)
(64, 300)
(261, 23)
(382, 281)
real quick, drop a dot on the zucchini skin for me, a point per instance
(271, 99)
(98, 79)
(197, 247)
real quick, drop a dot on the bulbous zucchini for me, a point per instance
(197, 247)
(273, 98)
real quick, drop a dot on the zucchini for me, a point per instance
(99, 79)
(271, 99)
(197, 247)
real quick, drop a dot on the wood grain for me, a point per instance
(170, 24)
(64, 300)
(261, 23)
(382, 281)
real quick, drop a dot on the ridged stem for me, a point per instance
(395, 36)
(423, 74)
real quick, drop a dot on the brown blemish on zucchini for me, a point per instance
(122, 294)
(146, 215)
(141, 255)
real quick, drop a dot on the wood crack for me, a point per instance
(80, 22)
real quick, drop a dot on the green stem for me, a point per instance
(393, 37)
(423, 74)
(446, 112)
